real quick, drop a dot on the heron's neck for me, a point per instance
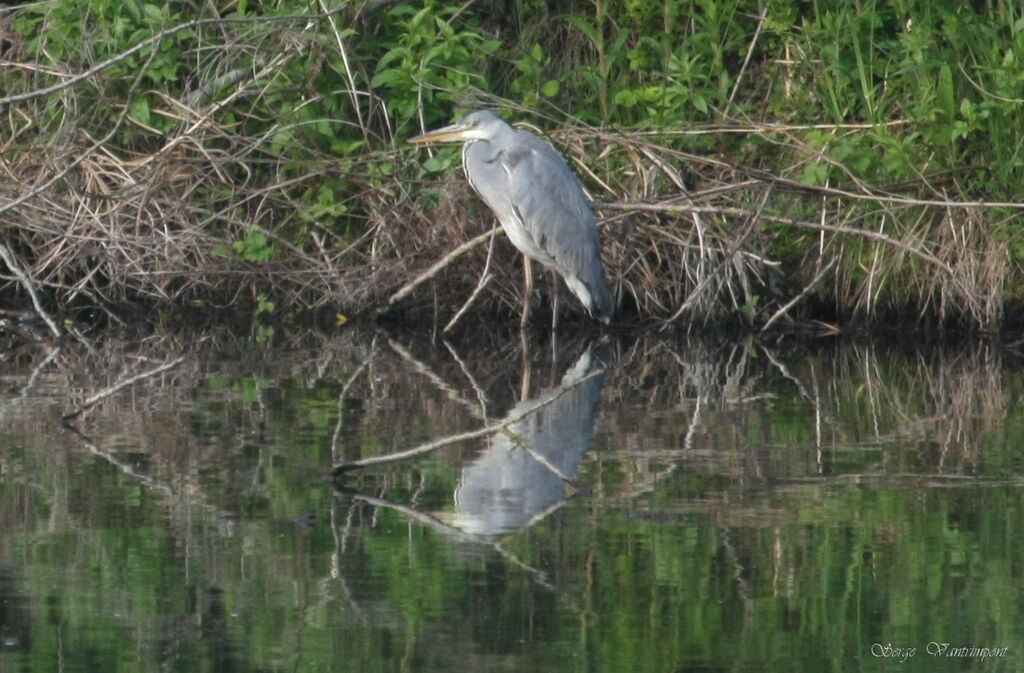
(484, 149)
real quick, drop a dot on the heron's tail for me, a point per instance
(593, 292)
(602, 307)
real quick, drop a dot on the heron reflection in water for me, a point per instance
(539, 203)
(524, 474)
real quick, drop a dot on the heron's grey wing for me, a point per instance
(553, 209)
(491, 170)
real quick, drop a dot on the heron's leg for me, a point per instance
(554, 299)
(527, 290)
(524, 380)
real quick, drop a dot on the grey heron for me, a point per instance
(538, 201)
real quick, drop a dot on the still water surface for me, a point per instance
(644, 504)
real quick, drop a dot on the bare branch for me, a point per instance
(438, 266)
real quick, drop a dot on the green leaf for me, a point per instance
(437, 163)
(346, 148)
(139, 110)
(255, 247)
(817, 138)
(390, 77)
(626, 98)
(153, 13)
(550, 88)
(617, 43)
(587, 29)
(960, 130)
(815, 174)
(945, 89)
(419, 17)
(132, 7)
(394, 54)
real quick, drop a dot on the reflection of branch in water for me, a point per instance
(815, 399)
(103, 394)
(547, 511)
(695, 422)
(911, 480)
(31, 383)
(109, 457)
(547, 464)
(451, 391)
(344, 394)
(461, 437)
(480, 394)
(721, 380)
(144, 479)
(437, 524)
(340, 537)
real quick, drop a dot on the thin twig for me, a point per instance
(891, 199)
(634, 139)
(30, 287)
(436, 379)
(746, 61)
(485, 278)
(353, 92)
(128, 469)
(803, 293)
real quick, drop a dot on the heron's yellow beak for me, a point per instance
(454, 133)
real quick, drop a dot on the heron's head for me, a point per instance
(479, 125)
